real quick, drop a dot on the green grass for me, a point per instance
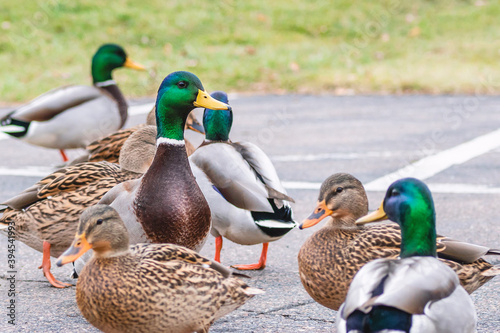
(306, 46)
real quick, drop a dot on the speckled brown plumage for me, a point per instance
(108, 148)
(50, 209)
(151, 287)
(330, 258)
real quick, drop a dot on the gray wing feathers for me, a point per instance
(408, 284)
(462, 251)
(50, 104)
(23, 199)
(261, 163)
(232, 176)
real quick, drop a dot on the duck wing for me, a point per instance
(408, 284)
(262, 165)
(170, 252)
(463, 252)
(52, 103)
(232, 176)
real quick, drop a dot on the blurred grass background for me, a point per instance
(303, 46)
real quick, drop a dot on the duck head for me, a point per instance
(109, 57)
(101, 229)
(179, 93)
(342, 197)
(409, 203)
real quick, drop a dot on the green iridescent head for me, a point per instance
(409, 203)
(218, 124)
(107, 58)
(179, 93)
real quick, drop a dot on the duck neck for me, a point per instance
(170, 125)
(418, 230)
(101, 71)
(102, 79)
(217, 125)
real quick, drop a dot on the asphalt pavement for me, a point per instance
(308, 138)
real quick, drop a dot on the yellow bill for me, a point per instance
(204, 100)
(378, 215)
(134, 65)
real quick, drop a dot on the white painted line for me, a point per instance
(462, 188)
(301, 185)
(31, 171)
(431, 165)
(435, 188)
(333, 156)
(135, 110)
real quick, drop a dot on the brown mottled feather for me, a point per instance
(330, 258)
(108, 148)
(52, 215)
(151, 287)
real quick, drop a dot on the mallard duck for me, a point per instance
(329, 259)
(45, 215)
(147, 287)
(108, 148)
(166, 205)
(416, 293)
(247, 199)
(74, 116)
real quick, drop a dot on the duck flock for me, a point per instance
(136, 208)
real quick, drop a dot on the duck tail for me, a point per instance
(493, 252)
(493, 271)
(250, 291)
(14, 127)
(283, 214)
(240, 275)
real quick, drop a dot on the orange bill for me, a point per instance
(319, 214)
(78, 248)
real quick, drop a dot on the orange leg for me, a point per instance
(218, 248)
(46, 268)
(64, 156)
(260, 265)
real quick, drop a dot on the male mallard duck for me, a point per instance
(148, 287)
(329, 259)
(74, 116)
(166, 205)
(45, 215)
(416, 293)
(108, 148)
(247, 203)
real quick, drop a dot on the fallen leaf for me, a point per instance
(294, 66)
(414, 32)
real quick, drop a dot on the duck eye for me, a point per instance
(394, 192)
(339, 189)
(99, 221)
(182, 84)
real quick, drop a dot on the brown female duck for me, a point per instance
(45, 215)
(330, 258)
(148, 287)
